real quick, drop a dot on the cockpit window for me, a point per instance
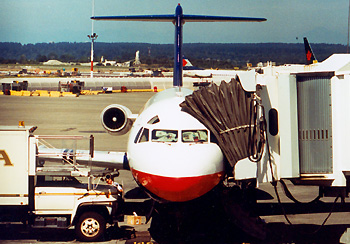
(144, 135)
(194, 136)
(137, 135)
(164, 135)
(154, 120)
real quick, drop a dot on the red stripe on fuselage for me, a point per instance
(177, 189)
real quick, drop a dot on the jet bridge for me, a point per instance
(293, 123)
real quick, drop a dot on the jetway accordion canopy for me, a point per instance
(225, 111)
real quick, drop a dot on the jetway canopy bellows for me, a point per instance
(225, 111)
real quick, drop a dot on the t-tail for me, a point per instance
(310, 56)
(179, 19)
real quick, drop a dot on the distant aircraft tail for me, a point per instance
(310, 57)
(187, 65)
(186, 62)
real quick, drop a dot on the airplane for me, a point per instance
(214, 75)
(172, 156)
(170, 153)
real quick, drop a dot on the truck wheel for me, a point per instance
(91, 226)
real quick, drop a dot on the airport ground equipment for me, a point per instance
(58, 194)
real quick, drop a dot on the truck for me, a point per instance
(60, 194)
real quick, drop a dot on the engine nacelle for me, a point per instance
(115, 118)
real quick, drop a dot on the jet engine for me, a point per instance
(116, 119)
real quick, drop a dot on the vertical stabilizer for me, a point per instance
(178, 19)
(310, 57)
(186, 62)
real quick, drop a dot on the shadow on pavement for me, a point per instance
(276, 233)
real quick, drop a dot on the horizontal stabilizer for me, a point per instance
(159, 18)
(186, 18)
(179, 19)
(205, 18)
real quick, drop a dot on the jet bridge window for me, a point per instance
(194, 136)
(164, 135)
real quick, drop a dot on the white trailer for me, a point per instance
(44, 195)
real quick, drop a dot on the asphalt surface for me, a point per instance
(81, 116)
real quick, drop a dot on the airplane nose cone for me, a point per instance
(178, 189)
(177, 172)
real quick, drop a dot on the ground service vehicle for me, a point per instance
(46, 194)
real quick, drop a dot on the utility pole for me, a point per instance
(92, 37)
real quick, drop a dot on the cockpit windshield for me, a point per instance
(194, 136)
(158, 135)
(165, 135)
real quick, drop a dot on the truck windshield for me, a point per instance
(164, 135)
(57, 181)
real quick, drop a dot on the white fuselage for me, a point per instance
(170, 152)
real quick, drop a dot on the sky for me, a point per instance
(42, 21)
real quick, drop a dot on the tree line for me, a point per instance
(205, 55)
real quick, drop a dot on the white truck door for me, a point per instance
(55, 198)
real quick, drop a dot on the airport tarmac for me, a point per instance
(81, 116)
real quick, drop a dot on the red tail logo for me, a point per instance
(184, 62)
